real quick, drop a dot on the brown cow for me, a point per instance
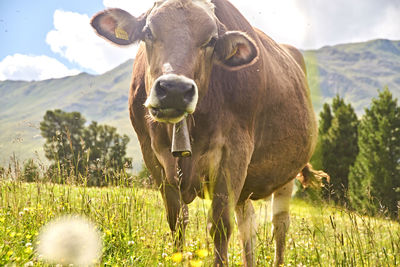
(247, 106)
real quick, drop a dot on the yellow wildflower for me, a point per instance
(177, 257)
(202, 253)
(28, 250)
(196, 263)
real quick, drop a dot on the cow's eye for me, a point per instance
(148, 35)
(212, 42)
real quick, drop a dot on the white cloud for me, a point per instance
(343, 21)
(283, 20)
(74, 39)
(315, 23)
(389, 26)
(24, 67)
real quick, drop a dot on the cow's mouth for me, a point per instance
(169, 115)
(171, 98)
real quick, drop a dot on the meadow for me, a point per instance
(134, 229)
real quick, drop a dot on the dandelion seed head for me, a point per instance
(70, 240)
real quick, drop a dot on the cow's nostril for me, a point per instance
(188, 97)
(161, 89)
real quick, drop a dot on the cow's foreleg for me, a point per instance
(226, 191)
(280, 219)
(247, 224)
(221, 227)
(177, 214)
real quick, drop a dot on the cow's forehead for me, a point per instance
(193, 15)
(205, 4)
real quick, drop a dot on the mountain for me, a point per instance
(355, 71)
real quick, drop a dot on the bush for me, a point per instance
(2, 172)
(30, 172)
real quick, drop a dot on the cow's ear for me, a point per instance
(235, 50)
(118, 26)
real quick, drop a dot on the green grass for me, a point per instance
(135, 232)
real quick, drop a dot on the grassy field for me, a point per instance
(135, 232)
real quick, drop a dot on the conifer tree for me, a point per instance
(375, 178)
(337, 147)
(325, 122)
(340, 149)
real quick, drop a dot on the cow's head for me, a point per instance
(183, 39)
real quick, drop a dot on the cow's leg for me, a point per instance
(280, 219)
(247, 224)
(221, 227)
(177, 214)
(227, 188)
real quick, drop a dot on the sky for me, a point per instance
(45, 39)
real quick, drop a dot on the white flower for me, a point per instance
(131, 243)
(28, 264)
(70, 240)
(28, 244)
(189, 254)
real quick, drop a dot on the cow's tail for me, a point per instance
(310, 177)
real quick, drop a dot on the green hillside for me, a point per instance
(355, 71)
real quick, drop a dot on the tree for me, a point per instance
(337, 147)
(325, 123)
(63, 132)
(375, 177)
(105, 150)
(94, 153)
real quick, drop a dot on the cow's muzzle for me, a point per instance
(171, 98)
